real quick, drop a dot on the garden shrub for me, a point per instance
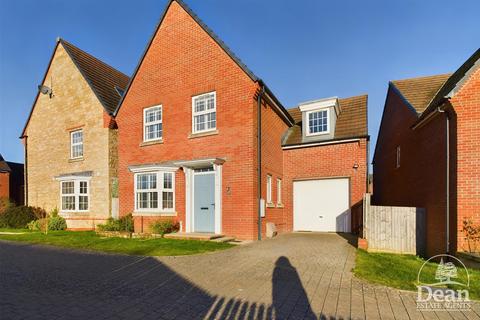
(39, 213)
(17, 217)
(5, 203)
(123, 224)
(57, 223)
(163, 227)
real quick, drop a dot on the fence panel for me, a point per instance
(394, 229)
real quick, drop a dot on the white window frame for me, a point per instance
(307, 122)
(279, 191)
(159, 190)
(269, 189)
(72, 144)
(397, 158)
(155, 122)
(76, 193)
(205, 112)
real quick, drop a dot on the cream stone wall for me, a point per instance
(73, 105)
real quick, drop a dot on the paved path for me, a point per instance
(295, 276)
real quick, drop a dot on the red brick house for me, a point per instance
(427, 152)
(204, 141)
(11, 181)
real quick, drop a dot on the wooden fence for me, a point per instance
(393, 229)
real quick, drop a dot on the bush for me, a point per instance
(123, 224)
(39, 212)
(5, 203)
(163, 227)
(17, 217)
(56, 223)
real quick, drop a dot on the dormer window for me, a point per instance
(317, 122)
(319, 118)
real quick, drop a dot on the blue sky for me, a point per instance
(303, 49)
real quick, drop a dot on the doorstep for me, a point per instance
(193, 236)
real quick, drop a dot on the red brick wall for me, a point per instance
(466, 103)
(4, 185)
(335, 160)
(420, 180)
(184, 61)
(273, 128)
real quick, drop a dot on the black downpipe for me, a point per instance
(25, 169)
(259, 159)
(447, 178)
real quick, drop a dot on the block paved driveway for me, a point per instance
(295, 276)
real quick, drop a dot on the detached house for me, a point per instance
(205, 142)
(11, 181)
(428, 150)
(70, 138)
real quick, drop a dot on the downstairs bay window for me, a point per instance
(154, 192)
(74, 195)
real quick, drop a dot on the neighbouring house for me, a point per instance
(70, 138)
(205, 142)
(11, 181)
(428, 150)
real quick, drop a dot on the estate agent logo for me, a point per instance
(443, 289)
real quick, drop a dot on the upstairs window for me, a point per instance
(154, 191)
(74, 195)
(152, 123)
(76, 144)
(279, 191)
(397, 162)
(204, 112)
(317, 122)
(269, 189)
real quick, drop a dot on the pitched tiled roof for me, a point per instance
(4, 165)
(420, 91)
(351, 122)
(101, 77)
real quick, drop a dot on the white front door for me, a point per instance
(321, 205)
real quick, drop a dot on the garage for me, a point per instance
(321, 205)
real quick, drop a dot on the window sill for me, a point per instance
(270, 205)
(154, 214)
(151, 142)
(75, 159)
(202, 134)
(280, 205)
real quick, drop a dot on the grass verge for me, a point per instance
(91, 241)
(401, 271)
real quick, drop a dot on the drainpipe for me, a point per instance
(259, 159)
(447, 133)
(25, 174)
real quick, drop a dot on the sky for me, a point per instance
(303, 49)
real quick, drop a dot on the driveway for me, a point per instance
(295, 276)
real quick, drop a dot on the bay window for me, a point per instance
(154, 191)
(74, 195)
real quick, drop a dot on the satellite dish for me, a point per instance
(45, 90)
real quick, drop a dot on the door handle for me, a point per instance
(204, 208)
(320, 216)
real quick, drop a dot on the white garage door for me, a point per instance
(321, 205)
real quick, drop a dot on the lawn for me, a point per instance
(401, 271)
(91, 241)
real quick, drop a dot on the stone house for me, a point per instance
(204, 141)
(70, 138)
(428, 149)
